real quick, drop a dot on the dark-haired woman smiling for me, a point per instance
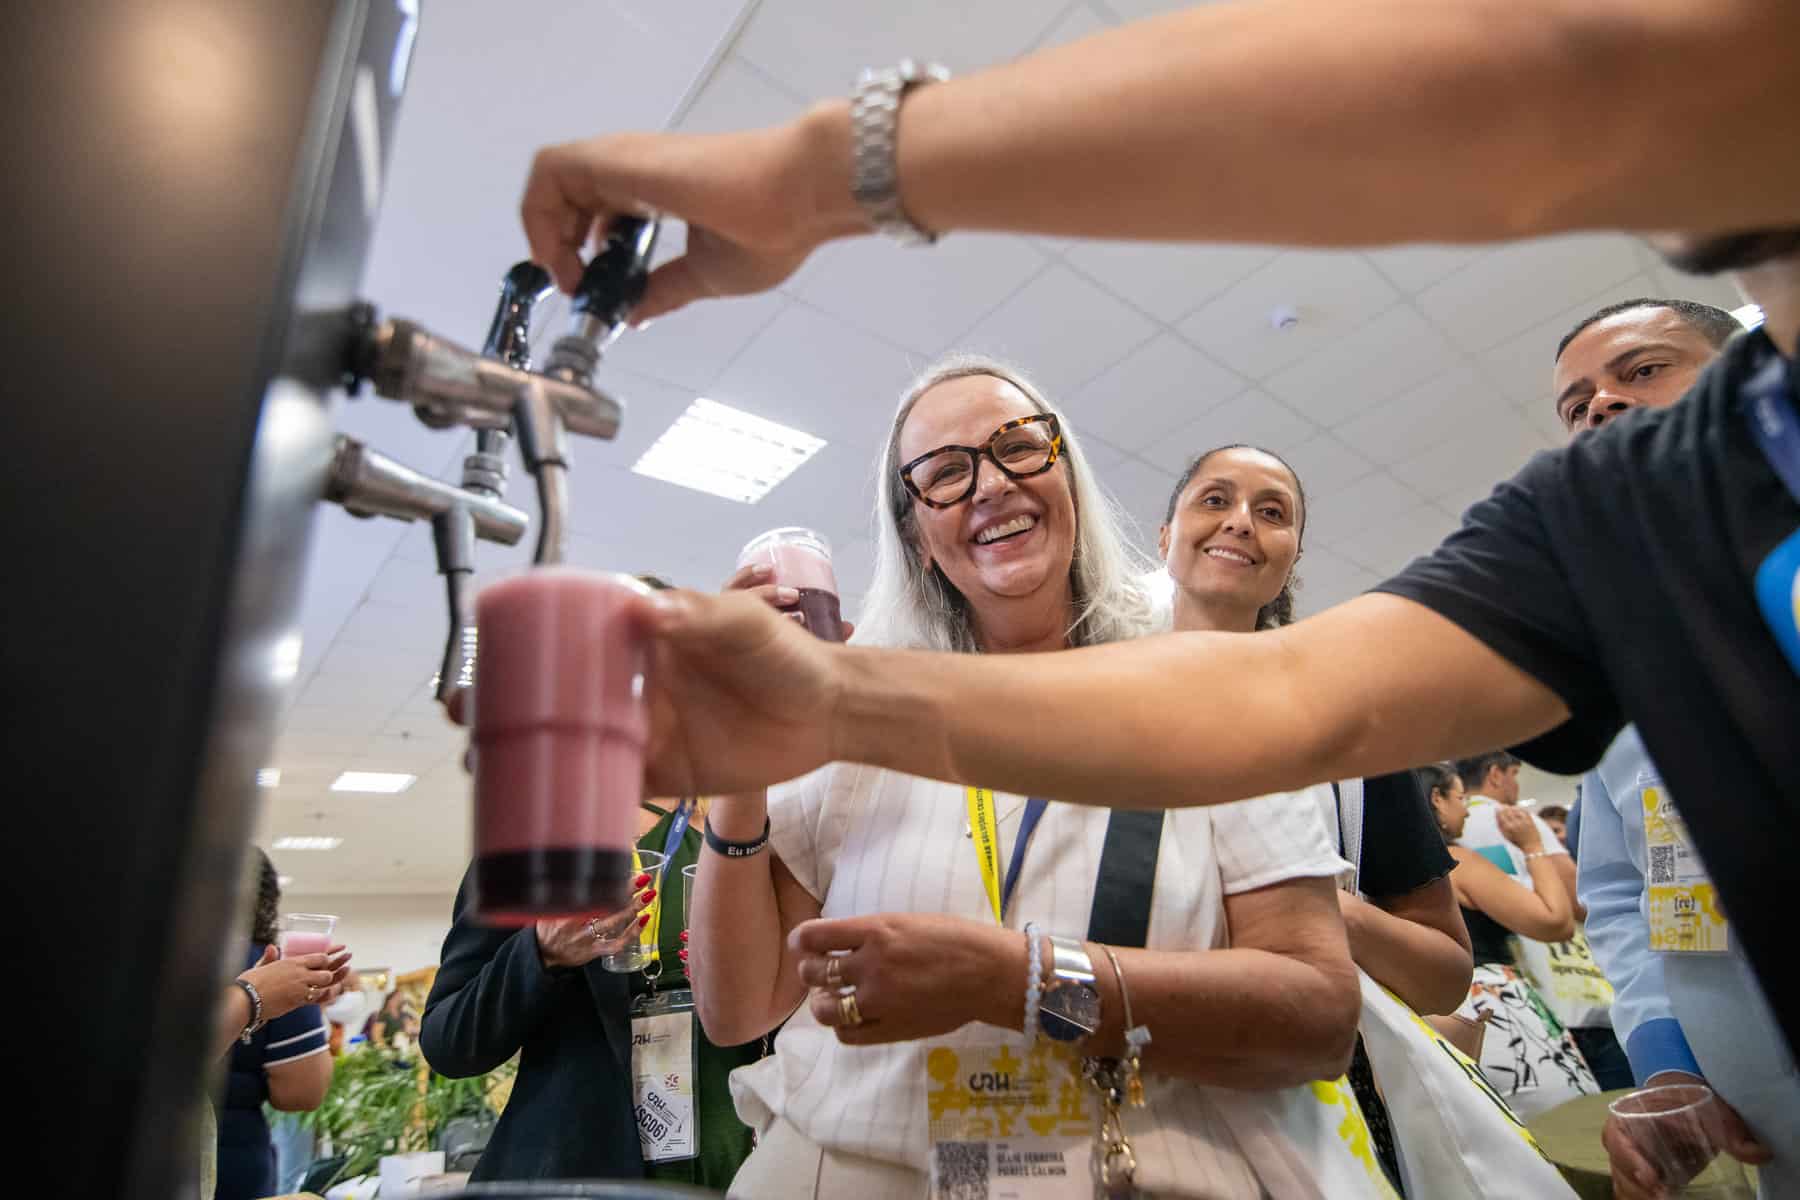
(1230, 539)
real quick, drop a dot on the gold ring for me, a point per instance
(834, 970)
(849, 1015)
(594, 928)
(312, 993)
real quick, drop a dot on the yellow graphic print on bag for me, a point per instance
(1574, 975)
(1684, 911)
(1353, 1129)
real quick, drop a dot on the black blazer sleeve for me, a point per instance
(492, 990)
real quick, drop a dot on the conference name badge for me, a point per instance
(1009, 1122)
(662, 1076)
(1685, 916)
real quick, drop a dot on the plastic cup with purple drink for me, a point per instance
(560, 722)
(801, 559)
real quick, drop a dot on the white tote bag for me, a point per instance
(1458, 1139)
(1306, 1143)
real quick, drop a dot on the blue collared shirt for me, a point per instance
(1610, 882)
(1700, 1013)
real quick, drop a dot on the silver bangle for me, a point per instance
(1136, 1036)
(1034, 978)
(256, 1010)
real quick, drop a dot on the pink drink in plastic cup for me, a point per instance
(559, 731)
(306, 933)
(802, 561)
(295, 944)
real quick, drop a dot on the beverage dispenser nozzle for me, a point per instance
(509, 336)
(484, 473)
(368, 483)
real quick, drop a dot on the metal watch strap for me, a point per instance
(256, 1010)
(874, 131)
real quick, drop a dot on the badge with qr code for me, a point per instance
(1009, 1122)
(1684, 911)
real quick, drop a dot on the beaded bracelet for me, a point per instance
(1034, 978)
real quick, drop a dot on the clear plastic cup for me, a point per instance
(801, 560)
(306, 933)
(687, 896)
(638, 954)
(1677, 1129)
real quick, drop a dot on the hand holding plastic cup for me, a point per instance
(1677, 1128)
(306, 933)
(801, 559)
(638, 954)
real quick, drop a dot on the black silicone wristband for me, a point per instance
(738, 849)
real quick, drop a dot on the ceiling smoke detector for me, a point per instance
(1284, 317)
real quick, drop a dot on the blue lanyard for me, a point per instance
(684, 812)
(1034, 810)
(1773, 421)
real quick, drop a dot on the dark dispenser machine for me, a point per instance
(189, 220)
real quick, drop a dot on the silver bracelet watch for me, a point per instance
(1070, 1008)
(874, 130)
(256, 1010)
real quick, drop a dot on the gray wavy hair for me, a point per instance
(911, 606)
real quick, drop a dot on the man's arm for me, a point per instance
(1197, 718)
(743, 698)
(1291, 121)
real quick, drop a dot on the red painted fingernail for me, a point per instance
(641, 880)
(684, 934)
(644, 920)
(684, 956)
(649, 895)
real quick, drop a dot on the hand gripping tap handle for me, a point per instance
(615, 278)
(611, 285)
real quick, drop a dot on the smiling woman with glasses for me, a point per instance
(1022, 448)
(914, 929)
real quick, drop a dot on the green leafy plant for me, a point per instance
(381, 1103)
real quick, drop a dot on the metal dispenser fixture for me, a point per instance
(193, 315)
(497, 394)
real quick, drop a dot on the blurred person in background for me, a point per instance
(279, 1054)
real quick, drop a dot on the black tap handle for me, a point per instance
(509, 337)
(615, 277)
